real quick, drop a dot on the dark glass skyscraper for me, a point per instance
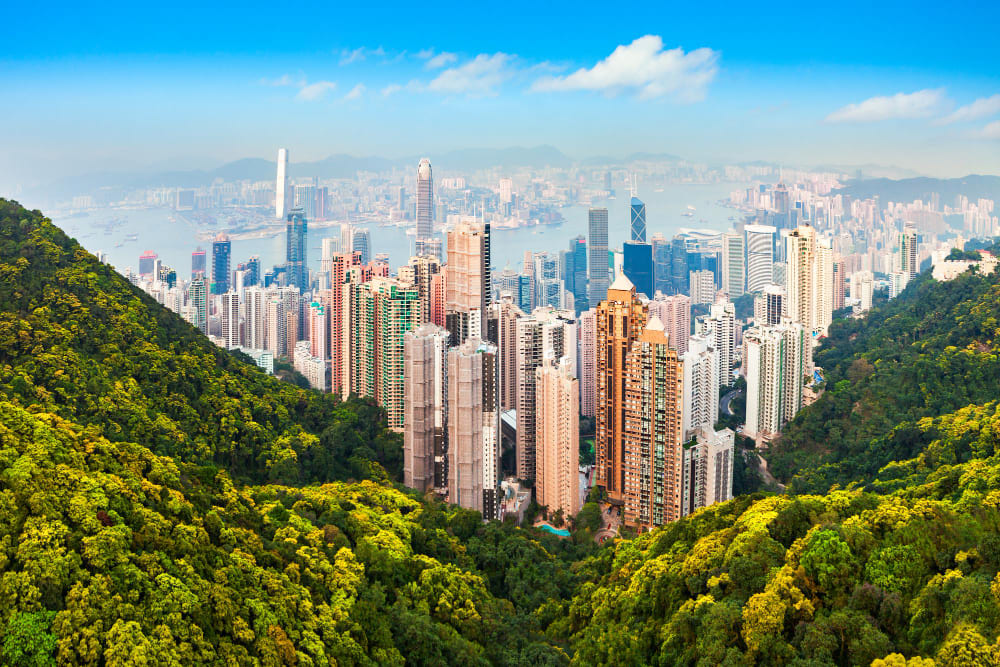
(661, 265)
(637, 218)
(638, 266)
(678, 266)
(578, 284)
(221, 252)
(198, 263)
(295, 256)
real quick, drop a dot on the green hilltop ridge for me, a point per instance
(164, 502)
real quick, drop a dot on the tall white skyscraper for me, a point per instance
(907, 246)
(281, 185)
(720, 324)
(809, 279)
(587, 362)
(708, 469)
(231, 319)
(760, 256)
(776, 367)
(557, 462)
(733, 264)
(701, 286)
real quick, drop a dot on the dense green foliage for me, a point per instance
(845, 578)
(932, 350)
(78, 340)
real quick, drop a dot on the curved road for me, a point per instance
(727, 398)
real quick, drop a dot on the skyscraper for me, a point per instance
(198, 298)
(675, 313)
(839, 282)
(198, 264)
(467, 281)
(598, 255)
(908, 258)
(425, 201)
(221, 251)
(621, 317)
(702, 287)
(146, 262)
(425, 413)
(281, 185)
(652, 463)
(231, 320)
(578, 285)
(546, 333)
(474, 428)
(701, 385)
(587, 362)
(720, 324)
(733, 264)
(708, 469)
(809, 279)
(760, 256)
(502, 332)
(776, 365)
(768, 306)
(662, 257)
(638, 266)
(637, 219)
(295, 249)
(557, 437)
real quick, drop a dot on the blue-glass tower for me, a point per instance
(637, 218)
(638, 266)
(295, 257)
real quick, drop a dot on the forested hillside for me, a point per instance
(79, 340)
(930, 351)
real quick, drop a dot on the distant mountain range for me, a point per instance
(972, 186)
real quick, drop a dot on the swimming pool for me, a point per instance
(555, 531)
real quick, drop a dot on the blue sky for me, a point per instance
(915, 85)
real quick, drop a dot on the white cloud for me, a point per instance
(440, 60)
(477, 77)
(391, 89)
(283, 80)
(991, 131)
(355, 92)
(646, 68)
(315, 91)
(921, 104)
(981, 108)
(424, 54)
(348, 56)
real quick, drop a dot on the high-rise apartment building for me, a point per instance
(708, 469)
(425, 414)
(221, 251)
(501, 330)
(467, 281)
(546, 333)
(198, 298)
(425, 201)
(720, 324)
(769, 305)
(702, 286)
(862, 289)
(701, 385)
(760, 256)
(652, 465)
(255, 317)
(281, 185)
(597, 261)
(637, 220)
(474, 428)
(907, 246)
(557, 437)
(420, 272)
(839, 282)
(339, 305)
(775, 369)
(587, 362)
(675, 313)
(809, 279)
(733, 264)
(295, 249)
(621, 318)
(231, 320)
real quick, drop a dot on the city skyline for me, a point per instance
(705, 90)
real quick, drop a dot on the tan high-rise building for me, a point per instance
(425, 413)
(809, 279)
(420, 272)
(547, 332)
(557, 461)
(587, 363)
(502, 331)
(467, 280)
(338, 303)
(621, 317)
(474, 428)
(653, 423)
(839, 282)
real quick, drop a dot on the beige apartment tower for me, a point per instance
(425, 351)
(467, 280)
(557, 427)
